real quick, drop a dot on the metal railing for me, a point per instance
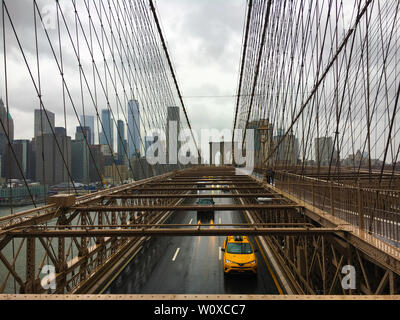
(376, 211)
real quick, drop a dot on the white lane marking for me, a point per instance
(176, 253)
(219, 220)
(219, 253)
(190, 222)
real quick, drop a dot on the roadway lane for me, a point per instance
(189, 265)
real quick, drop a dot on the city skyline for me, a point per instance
(145, 140)
(85, 120)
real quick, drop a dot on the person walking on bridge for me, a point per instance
(268, 175)
(272, 176)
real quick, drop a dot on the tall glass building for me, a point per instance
(107, 134)
(121, 145)
(43, 123)
(88, 121)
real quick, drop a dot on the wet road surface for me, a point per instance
(190, 265)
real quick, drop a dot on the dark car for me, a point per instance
(206, 202)
(205, 212)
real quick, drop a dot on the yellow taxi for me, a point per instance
(239, 255)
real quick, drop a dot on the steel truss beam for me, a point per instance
(194, 231)
(273, 196)
(190, 183)
(158, 188)
(222, 207)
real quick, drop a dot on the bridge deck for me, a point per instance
(114, 226)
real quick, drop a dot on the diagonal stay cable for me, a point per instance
(266, 20)
(317, 84)
(153, 10)
(238, 96)
(37, 92)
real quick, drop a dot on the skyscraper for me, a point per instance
(79, 161)
(122, 147)
(43, 124)
(133, 128)
(8, 124)
(88, 121)
(96, 164)
(287, 152)
(7, 121)
(107, 134)
(80, 155)
(60, 131)
(49, 158)
(323, 150)
(23, 154)
(81, 132)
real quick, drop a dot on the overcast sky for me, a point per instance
(204, 40)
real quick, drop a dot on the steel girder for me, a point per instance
(316, 263)
(310, 245)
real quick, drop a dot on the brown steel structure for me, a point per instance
(85, 238)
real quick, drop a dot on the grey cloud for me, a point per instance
(210, 27)
(202, 35)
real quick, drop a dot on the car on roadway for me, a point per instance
(205, 212)
(206, 202)
(239, 255)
